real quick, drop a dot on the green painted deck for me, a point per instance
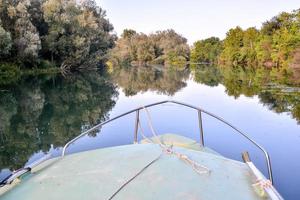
(97, 174)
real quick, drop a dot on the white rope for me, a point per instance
(200, 169)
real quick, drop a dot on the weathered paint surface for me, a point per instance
(98, 174)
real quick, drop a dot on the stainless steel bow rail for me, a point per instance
(199, 110)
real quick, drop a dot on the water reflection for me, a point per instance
(279, 102)
(43, 112)
(208, 75)
(250, 82)
(143, 78)
(48, 111)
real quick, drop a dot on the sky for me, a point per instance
(193, 19)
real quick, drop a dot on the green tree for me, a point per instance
(232, 45)
(63, 33)
(128, 33)
(5, 42)
(207, 50)
(79, 36)
(163, 47)
(248, 53)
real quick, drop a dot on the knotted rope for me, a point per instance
(261, 185)
(200, 169)
(168, 150)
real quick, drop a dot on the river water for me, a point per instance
(40, 114)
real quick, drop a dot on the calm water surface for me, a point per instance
(40, 115)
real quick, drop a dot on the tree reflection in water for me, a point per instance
(250, 82)
(42, 112)
(164, 80)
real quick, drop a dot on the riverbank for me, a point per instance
(11, 73)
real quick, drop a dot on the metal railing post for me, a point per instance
(201, 127)
(136, 128)
(268, 161)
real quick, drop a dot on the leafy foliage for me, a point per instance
(9, 73)
(5, 42)
(206, 50)
(274, 45)
(163, 47)
(63, 32)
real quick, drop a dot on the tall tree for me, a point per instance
(60, 32)
(5, 42)
(162, 47)
(207, 50)
(232, 44)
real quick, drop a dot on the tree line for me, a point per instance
(162, 47)
(75, 35)
(276, 46)
(53, 33)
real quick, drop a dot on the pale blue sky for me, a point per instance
(194, 19)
